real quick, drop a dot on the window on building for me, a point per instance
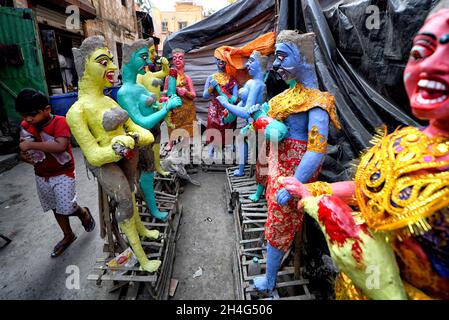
(125, 3)
(119, 53)
(182, 25)
(164, 26)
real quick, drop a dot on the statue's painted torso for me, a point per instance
(129, 99)
(94, 111)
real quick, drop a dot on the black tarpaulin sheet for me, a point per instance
(240, 15)
(361, 67)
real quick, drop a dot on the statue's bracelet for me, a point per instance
(319, 188)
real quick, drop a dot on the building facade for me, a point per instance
(186, 13)
(42, 33)
(116, 21)
(59, 33)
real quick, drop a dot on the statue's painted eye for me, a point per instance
(422, 49)
(280, 57)
(103, 62)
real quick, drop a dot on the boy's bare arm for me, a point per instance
(58, 145)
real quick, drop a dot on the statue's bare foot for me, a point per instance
(162, 172)
(254, 197)
(151, 234)
(151, 265)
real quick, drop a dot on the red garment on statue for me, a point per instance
(262, 164)
(283, 222)
(216, 114)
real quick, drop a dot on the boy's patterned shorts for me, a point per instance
(57, 193)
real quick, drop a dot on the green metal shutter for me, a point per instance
(18, 26)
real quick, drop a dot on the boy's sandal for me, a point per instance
(61, 247)
(91, 224)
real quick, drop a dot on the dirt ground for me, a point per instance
(28, 272)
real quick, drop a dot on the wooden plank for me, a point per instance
(166, 195)
(254, 230)
(254, 249)
(254, 215)
(151, 224)
(241, 179)
(94, 277)
(249, 221)
(253, 205)
(261, 261)
(255, 210)
(284, 284)
(280, 273)
(249, 241)
(105, 267)
(152, 244)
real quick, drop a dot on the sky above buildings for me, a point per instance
(169, 5)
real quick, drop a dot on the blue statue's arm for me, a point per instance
(275, 130)
(235, 94)
(148, 122)
(318, 119)
(133, 108)
(311, 160)
(206, 93)
(237, 110)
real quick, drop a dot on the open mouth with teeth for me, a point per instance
(283, 73)
(110, 76)
(430, 93)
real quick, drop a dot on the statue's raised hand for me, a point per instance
(126, 141)
(164, 61)
(123, 146)
(254, 108)
(213, 83)
(283, 196)
(134, 135)
(295, 187)
(181, 91)
(174, 102)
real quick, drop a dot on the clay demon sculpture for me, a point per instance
(184, 117)
(400, 230)
(145, 110)
(109, 140)
(253, 92)
(220, 83)
(297, 124)
(153, 82)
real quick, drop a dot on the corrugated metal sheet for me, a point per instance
(18, 26)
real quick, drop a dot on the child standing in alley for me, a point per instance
(45, 143)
